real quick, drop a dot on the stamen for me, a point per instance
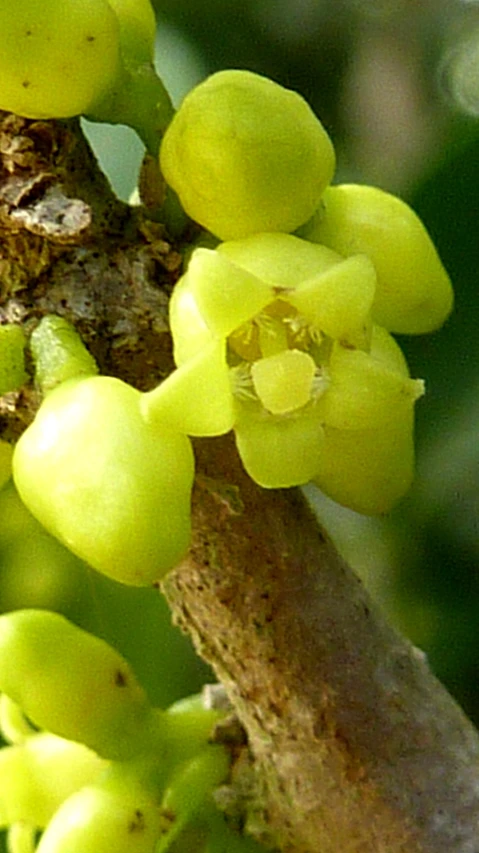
(242, 382)
(302, 332)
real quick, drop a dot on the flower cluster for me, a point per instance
(105, 771)
(286, 338)
(281, 333)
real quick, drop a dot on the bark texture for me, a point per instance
(354, 747)
(357, 746)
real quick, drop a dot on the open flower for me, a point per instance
(275, 338)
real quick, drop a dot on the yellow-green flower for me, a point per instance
(275, 338)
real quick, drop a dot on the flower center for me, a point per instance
(279, 363)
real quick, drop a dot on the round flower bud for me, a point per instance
(58, 57)
(38, 775)
(246, 155)
(112, 487)
(72, 683)
(413, 291)
(113, 814)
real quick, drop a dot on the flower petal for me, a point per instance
(368, 470)
(339, 301)
(282, 260)
(283, 382)
(278, 453)
(195, 399)
(226, 294)
(189, 330)
(364, 393)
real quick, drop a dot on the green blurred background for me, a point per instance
(396, 83)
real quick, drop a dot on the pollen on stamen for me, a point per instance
(242, 382)
(302, 332)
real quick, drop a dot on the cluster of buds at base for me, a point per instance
(106, 771)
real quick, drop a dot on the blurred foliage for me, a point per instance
(381, 75)
(443, 509)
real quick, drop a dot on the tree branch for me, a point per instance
(354, 747)
(357, 745)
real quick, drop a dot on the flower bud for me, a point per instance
(246, 155)
(112, 487)
(413, 293)
(37, 776)
(58, 57)
(72, 683)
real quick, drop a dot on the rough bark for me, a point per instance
(358, 746)
(354, 747)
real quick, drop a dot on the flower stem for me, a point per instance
(141, 101)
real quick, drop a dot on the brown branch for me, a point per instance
(354, 745)
(68, 246)
(358, 747)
